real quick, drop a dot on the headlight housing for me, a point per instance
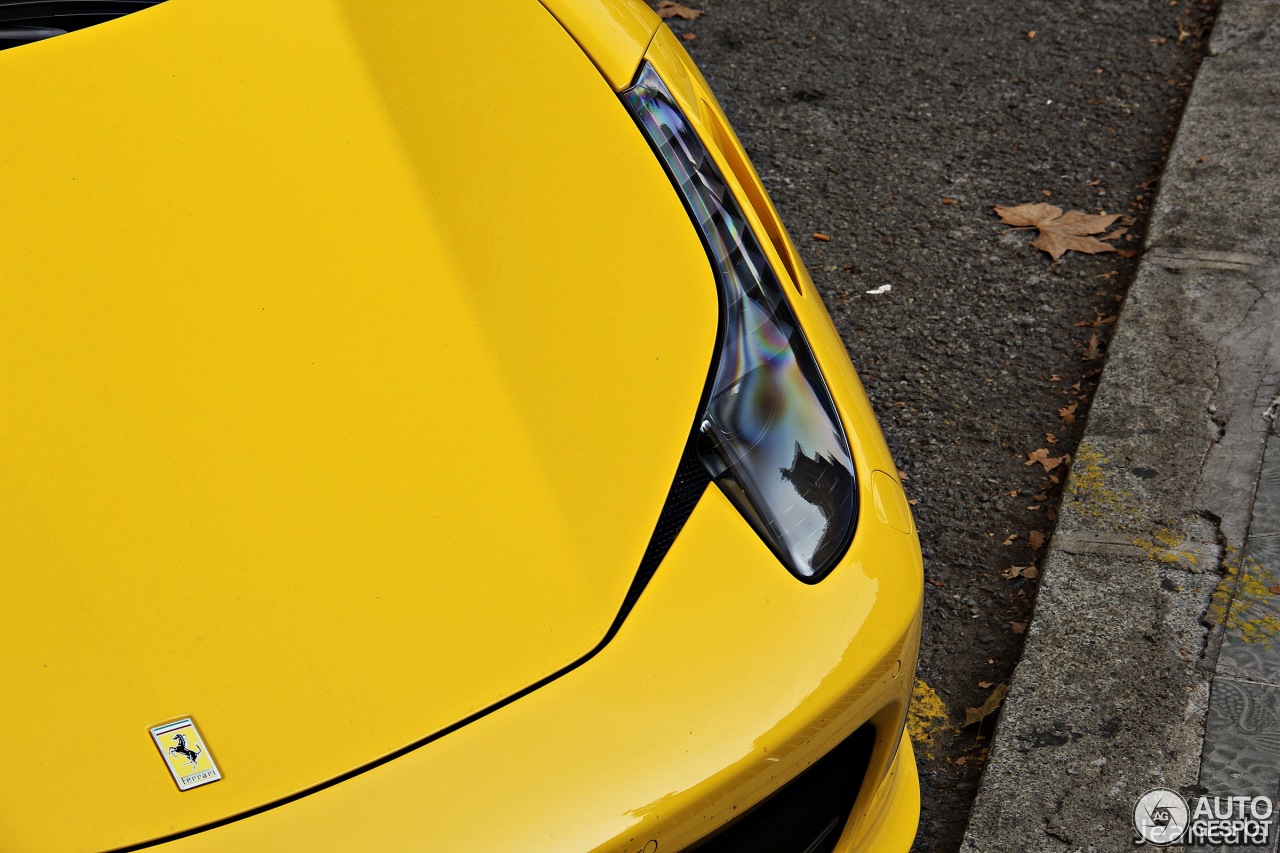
(769, 434)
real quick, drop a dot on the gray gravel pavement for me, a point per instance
(894, 127)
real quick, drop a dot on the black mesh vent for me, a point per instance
(807, 814)
(24, 21)
(690, 482)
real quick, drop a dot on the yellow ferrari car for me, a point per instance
(420, 434)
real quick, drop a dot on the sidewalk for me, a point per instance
(1153, 659)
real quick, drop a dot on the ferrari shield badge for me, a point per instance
(186, 754)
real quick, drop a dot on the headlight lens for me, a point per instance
(770, 435)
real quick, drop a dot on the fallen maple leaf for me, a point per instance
(977, 715)
(1046, 461)
(1060, 232)
(667, 9)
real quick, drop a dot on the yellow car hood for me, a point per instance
(347, 352)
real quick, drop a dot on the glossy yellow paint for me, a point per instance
(226, 444)
(305, 349)
(614, 33)
(889, 822)
(727, 679)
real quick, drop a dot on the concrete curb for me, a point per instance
(1112, 694)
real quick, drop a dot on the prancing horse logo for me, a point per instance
(185, 753)
(192, 755)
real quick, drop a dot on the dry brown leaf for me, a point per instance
(1027, 215)
(1009, 539)
(668, 9)
(1036, 538)
(1060, 232)
(985, 685)
(1050, 438)
(1092, 353)
(1017, 572)
(1031, 572)
(689, 36)
(977, 715)
(1018, 628)
(1046, 461)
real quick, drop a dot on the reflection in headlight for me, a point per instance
(770, 435)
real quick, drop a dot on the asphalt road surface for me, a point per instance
(893, 128)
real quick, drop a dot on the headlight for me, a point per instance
(769, 435)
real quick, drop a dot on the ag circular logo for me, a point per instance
(1161, 816)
